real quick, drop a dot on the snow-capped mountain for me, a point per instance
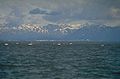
(46, 29)
(94, 32)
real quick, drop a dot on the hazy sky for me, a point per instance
(60, 11)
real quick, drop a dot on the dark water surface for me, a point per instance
(47, 60)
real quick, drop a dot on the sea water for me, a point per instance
(59, 60)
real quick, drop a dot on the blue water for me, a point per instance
(48, 60)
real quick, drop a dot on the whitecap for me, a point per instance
(30, 44)
(6, 44)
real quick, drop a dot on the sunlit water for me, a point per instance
(59, 60)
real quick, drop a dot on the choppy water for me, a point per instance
(47, 60)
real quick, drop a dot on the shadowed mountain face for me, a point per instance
(97, 33)
(87, 32)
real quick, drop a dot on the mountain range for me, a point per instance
(84, 32)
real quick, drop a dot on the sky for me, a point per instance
(15, 13)
(60, 11)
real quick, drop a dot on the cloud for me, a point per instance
(115, 12)
(49, 15)
(15, 17)
(42, 11)
(39, 11)
(64, 11)
(88, 10)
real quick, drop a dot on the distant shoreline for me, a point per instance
(90, 41)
